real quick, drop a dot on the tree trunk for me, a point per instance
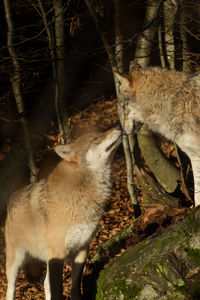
(164, 267)
(115, 67)
(118, 38)
(16, 85)
(146, 38)
(170, 9)
(186, 67)
(127, 141)
(60, 80)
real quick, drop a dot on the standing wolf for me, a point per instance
(56, 218)
(169, 103)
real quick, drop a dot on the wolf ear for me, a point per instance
(123, 79)
(65, 152)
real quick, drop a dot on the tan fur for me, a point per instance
(169, 103)
(56, 218)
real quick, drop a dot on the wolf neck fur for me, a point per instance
(97, 183)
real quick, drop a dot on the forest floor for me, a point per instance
(119, 212)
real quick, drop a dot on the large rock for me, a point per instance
(163, 267)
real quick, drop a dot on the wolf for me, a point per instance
(169, 103)
(56, 218)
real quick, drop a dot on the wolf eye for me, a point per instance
(96, 140)
(121, 103)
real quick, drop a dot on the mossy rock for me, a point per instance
(157, 268)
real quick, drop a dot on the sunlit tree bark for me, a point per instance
(144, 43)
(169, 14)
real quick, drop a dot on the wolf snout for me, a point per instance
(119, 127)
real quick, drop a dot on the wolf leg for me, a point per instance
(77, 272)
(14, 259)
(195, 161)
(33, 268)
(190, 144)
(53, 283)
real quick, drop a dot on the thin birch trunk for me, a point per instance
(146, 38)
(114, 67)
(118, 38)
(50, 38)
(161, 50)
(16, 85)
(60, 81)
(128, 141)
(170, 10)
(55, 67)
(186, 67)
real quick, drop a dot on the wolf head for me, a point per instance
(126, 95)
(93, 149)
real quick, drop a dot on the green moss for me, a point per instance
(175, 296)
(191, 222)
(178, 292)
(162, 268)
(128, 289)
(194, 255)
(149, 263)
(120, 286)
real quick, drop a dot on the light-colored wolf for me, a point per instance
(169, 103)
(56, 218)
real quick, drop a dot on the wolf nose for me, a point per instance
(119, 126)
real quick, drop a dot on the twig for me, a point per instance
(126, 147)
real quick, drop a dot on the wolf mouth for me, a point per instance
(114, 143)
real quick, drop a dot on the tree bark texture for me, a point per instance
(163, 267)
(146, 38)
(186, 66)
(16, 85)
(60, 80)
(118, 38)
(170, 9)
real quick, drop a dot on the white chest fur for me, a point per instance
(79, 235)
